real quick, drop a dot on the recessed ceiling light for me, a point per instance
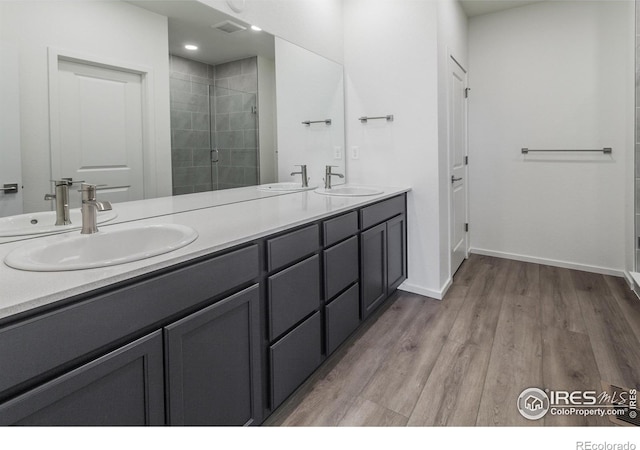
(255, 28)
(191, 47)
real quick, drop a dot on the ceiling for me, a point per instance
(191, 22)
(478, 7)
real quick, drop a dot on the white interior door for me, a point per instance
(10, 159)
(100, 131)
(457, 163)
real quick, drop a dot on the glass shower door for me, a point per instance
(233, 136)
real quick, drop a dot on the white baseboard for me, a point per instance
(550, 262)
(630, 280)
(421, 290)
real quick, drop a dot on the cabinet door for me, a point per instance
(396, 253)
(373, 268)
(213, 363)
(124, 387)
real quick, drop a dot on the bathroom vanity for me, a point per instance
(219, 332)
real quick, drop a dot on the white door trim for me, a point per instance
(150, 186)
(452, 60)
(11, 153)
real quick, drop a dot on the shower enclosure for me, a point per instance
(233, 137)
(214, 125)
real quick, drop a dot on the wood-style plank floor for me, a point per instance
(503, 326)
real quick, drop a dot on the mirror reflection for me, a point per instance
(106, 92)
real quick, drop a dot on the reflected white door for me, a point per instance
(10, 159)
(100, 129)
(457, 163)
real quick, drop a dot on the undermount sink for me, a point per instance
(75, 251)
(349, 191)
(284, 186)
(44, 222)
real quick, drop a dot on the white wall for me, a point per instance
(391, 68)
(311, 88)
(111, 30)
(551, 75)
(313, 24)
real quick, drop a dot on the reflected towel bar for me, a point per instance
(606, 150)
(309, 122)
(364, 119)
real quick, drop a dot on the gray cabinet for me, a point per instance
(124, 387)
(87, 327)
(293, 310)
(340, 266)
(294, 357)
(383, 257)
(221, 340)
(294, 293)
(339, 228)
(342, 317)
(373, 268)
(213, 364)
(285, 249)
(396, 252)
(82, 368)
(341, 273)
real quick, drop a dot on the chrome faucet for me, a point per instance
(90, 208)
(303, 174)
(327, 176)
(62, 200)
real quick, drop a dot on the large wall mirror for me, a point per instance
(106, 92)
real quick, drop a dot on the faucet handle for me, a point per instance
(88, 186)
(66, 180)
(88, 191)
(328, 168)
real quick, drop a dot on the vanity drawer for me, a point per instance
(294, 357)
(71, 334)
(335, 230)
(293, 294)
(379, 212)
(340, 266)
(343, 317)
(290, 247)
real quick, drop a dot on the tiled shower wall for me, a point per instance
(231, 127)
(236, 122)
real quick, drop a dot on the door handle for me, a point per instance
(217, 155)
(454, 179)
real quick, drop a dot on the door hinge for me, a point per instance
(466, 227)
(466, 160)
(466, 92)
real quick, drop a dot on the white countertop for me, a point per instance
(219, 227)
